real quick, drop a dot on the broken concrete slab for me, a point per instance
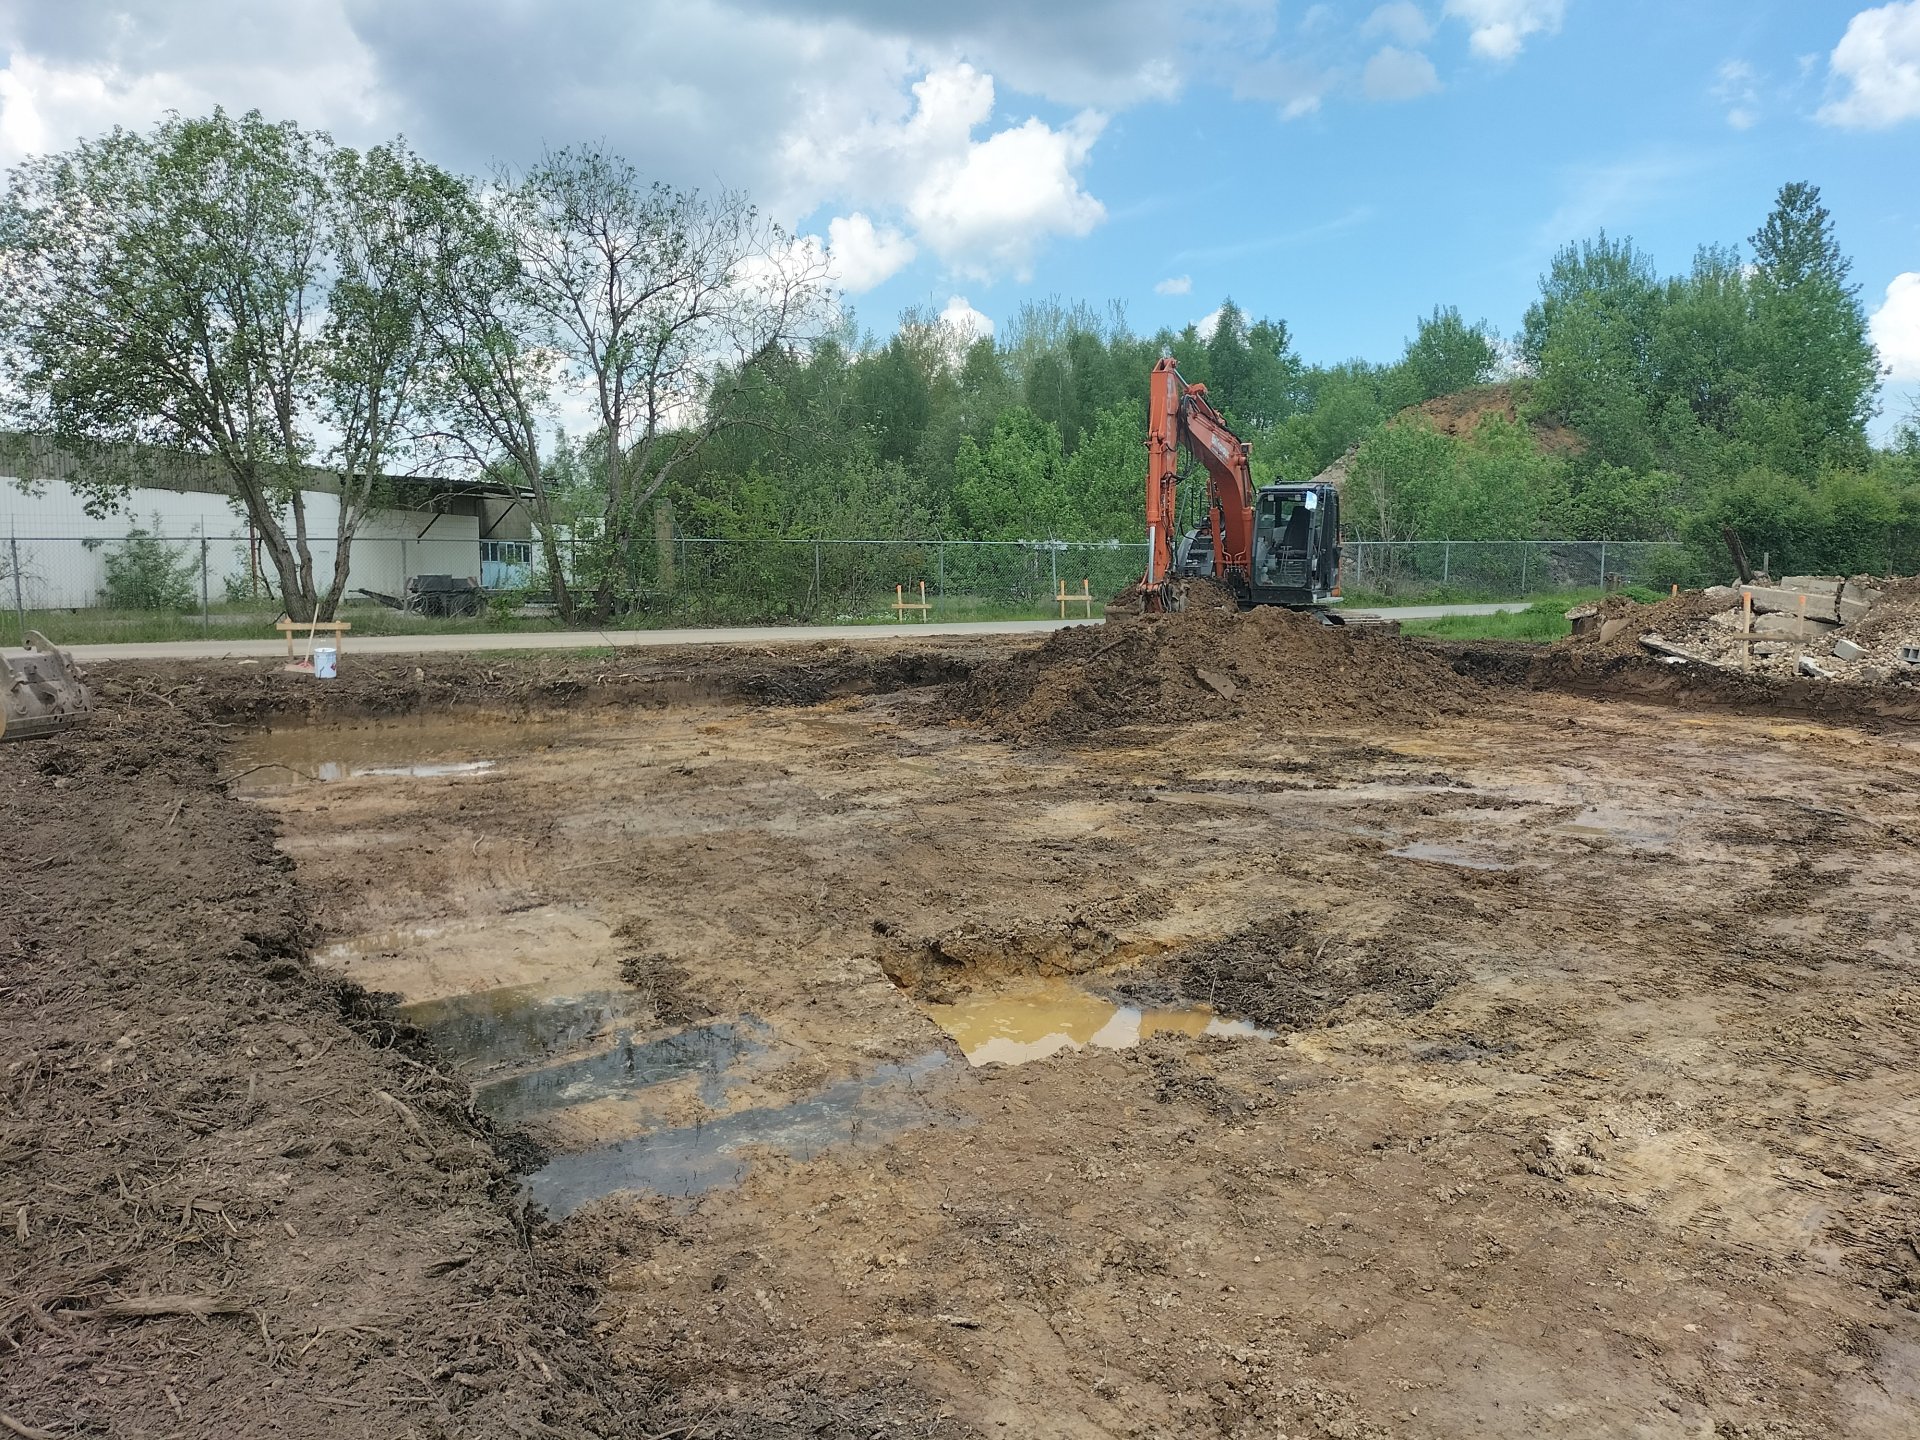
(1780, 623)
(1778, 600)
(1810, 667)
(1847, 650)
(1855, 602)
(1813, 584)
(1671, 651)
(1611, 628)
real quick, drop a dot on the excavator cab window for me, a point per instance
(1283, 530)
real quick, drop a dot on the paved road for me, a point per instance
(600, 639)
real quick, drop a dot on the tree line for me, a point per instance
(258, 295)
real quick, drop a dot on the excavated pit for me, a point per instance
(1342, 1054)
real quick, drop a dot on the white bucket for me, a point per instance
(325, 662)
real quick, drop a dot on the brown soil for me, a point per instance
(1461, 413)
(1589, 1114)
(1272, 664)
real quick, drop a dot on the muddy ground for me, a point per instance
(1589, 1109)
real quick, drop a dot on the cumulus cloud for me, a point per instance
(75, 71)
(1895, 327)
(862, 254)
(1498, 29)
(1175, 285)
(965, 323)
(985, 206)
(1877, 66)
(1396, 74)
(1737, 86)
(1208, 323)
(1401, 22)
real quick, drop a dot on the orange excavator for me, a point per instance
(1268, 545)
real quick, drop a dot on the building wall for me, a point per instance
(50, 527)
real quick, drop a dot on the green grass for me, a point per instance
(1539, 624)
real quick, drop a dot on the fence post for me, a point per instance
(1446, 563)
(206, 623)
(940, 562)
(19, 597)
(1053, 566)
(1525, 551)
(1603, 566)
(816, 574)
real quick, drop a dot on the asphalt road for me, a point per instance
(239, 649)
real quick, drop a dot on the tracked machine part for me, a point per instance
(45, 693)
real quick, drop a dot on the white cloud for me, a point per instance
(1737, 86)
(985, 207)
(1895, 327)
(309, 63)
(864, 255)
(1396, 74)
(965, 323)
(1296, 86)
(1208, 323)
(1402, 22)
(1175, 285)
(1499, 28)
(1878, 60)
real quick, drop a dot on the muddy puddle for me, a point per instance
(411, 748)
(1010, 1027)
(687, 1160)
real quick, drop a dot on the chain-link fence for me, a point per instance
(147, 586)
(1515, 569)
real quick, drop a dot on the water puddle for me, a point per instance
(436, 748)
(1607, 823)
(1009, 1027)
(1436, 854)
(690, 1159)
(628, 1066)
(515, 1024)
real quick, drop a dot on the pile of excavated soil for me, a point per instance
(1262, 665)
(1284, 975)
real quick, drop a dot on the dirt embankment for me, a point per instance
(1267, 665)
(232, 1208)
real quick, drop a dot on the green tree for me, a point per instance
(144, 572)
(242, 290)
(1446, 354)
(661, 305)
(1815, 370)
(1014, 487)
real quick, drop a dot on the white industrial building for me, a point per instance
(426, 526)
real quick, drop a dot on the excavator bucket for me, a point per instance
(45, 693)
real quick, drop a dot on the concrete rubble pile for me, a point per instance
(1861, 630)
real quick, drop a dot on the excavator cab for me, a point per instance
(1296, 545)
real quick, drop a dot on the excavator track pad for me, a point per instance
(45, 692)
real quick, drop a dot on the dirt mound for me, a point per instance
(1266, 664)
(1284, 975)
(1460, 414)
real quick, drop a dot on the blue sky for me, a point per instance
(1343, 166)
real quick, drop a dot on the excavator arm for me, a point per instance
(1179, 415)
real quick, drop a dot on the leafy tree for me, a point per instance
(660, 305)
(1014, 487)
(241, 290)
(144, 572)
(1446, 354)
(1816, 372)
